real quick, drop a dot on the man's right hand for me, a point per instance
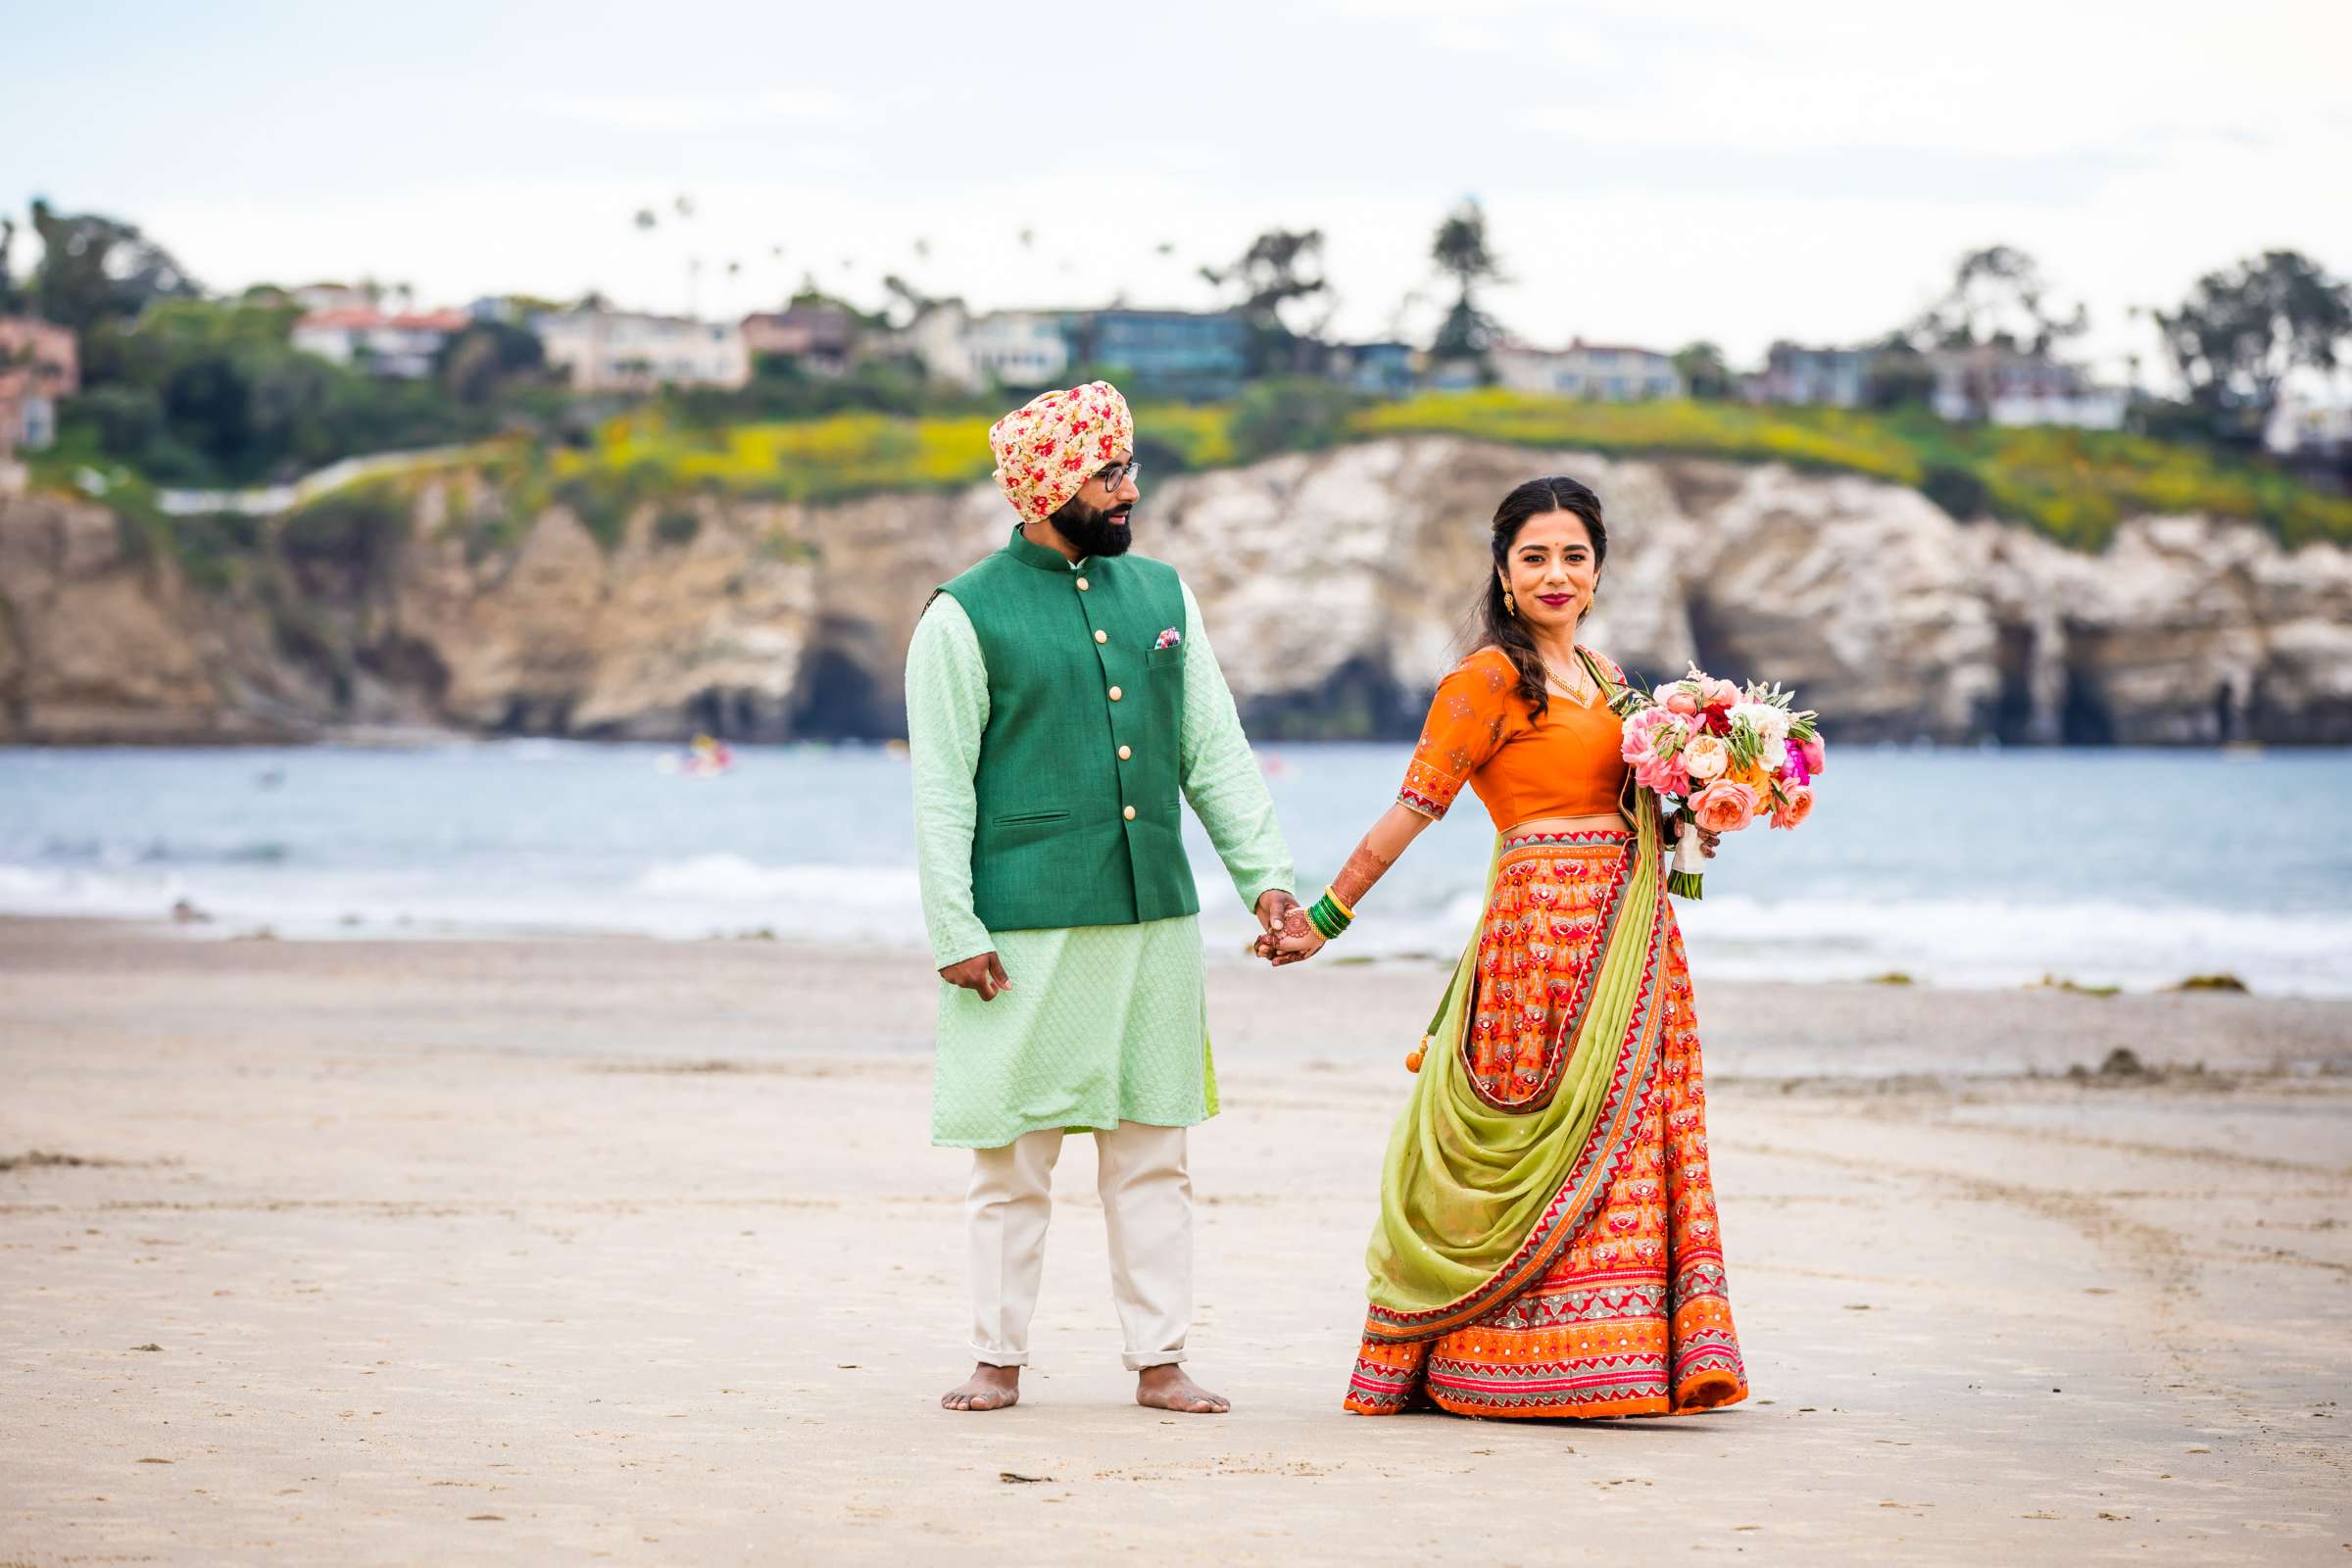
(983, 974)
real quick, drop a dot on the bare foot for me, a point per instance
(989, 1388)
(1166, 1388)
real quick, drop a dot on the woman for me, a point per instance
(1547, 1244)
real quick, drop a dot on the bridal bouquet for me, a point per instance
(1721, 756)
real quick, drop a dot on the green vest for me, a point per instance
(1070, 831)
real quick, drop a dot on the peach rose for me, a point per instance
(1723, 807)
(1681, 701)
(1705, 757)
(1795, 805)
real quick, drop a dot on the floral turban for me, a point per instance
(1055, 443)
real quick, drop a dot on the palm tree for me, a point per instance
(1462, 254)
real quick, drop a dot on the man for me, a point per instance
(1060, 696)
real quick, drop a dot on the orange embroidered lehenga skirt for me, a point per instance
(1629, 1317)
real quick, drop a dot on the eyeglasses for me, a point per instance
(1118, 474)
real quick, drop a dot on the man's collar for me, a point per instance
(1038, 555)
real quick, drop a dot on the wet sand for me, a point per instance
(563, 1251)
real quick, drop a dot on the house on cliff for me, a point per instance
(1170, 353)
(622, 351)
(2005, 385)
(1192, 354)
(1606, 372)
(39, 366)
(820, 338)
(1793, 374)
(364, 338)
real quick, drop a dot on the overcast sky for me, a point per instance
(1654, 171)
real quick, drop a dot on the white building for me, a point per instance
(1604, 372)
(369, 340)
(2010, 386)
(1017, 348)
(316, 299)
(2089, 407)
(2308, 422)
(939, 337)
(619, 351)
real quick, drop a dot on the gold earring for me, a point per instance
(1509, 604)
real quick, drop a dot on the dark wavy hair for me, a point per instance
(1491, 621)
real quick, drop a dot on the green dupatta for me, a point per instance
(1476, 1201)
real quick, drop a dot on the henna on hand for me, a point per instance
(1274, 905)
(1298, 940)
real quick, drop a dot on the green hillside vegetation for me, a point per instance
(190, 391)
(2074, 486)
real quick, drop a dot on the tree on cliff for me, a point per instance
(1898, 376)
(94, 268)
(205, 394)
(1271, 274)
(1462, 254)
(1705, 374)
(476, 366)
(2243, 332)
(1997, 297)
(10, 301)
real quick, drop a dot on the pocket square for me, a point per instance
(1167, 639)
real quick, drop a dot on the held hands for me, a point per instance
(1275, 912)
(1288, 935)
(1296, 940)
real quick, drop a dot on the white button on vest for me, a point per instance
(1082, 585)
(1125, 753)
(1116, 693)
(1102, 636)
(1130, 813)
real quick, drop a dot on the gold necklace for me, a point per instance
(1581, 693)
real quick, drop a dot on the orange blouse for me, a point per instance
(1480, 732)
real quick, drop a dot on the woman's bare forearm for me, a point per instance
(1389, 837)
(1390, 833)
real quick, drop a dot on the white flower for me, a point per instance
(1705, 757)
(1767, 721)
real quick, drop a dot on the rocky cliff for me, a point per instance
(1335, 585)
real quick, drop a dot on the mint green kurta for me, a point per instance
(1104, 1024)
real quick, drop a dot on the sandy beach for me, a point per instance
(560, 1251)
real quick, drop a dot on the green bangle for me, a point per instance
(1327, 918)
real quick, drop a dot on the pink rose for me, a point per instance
(1714, 693)
(1664, 774)
(1681, 701)
(1795, 806)
(1815, 759)
(1638, 728)
(1723, 807)
(1651, 729)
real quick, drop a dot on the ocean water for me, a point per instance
(1958, 868)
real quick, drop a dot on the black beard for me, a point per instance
(1092, 531)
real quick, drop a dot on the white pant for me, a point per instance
(1146, 1214)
